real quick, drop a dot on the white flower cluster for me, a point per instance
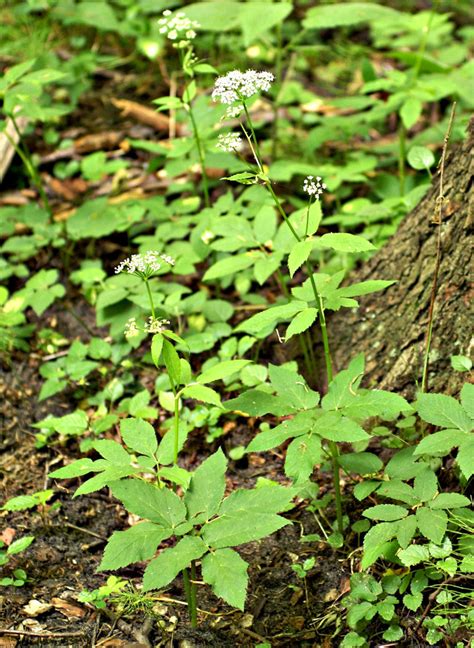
(313, 186)
(233, 112)
(236, 85)
(178, 26)
(154, 325)
(229, 142)
(143, 265)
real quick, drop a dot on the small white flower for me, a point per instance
(237, 85)
(156, 325)
(313, 187)
(143, 265)
(131, 328)
(233, 112)
(229, 142)
(207, 236)
(176, 25)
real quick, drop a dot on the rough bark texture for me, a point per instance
(390, 327)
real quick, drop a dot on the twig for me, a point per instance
(437, 221)
(92, 533)
(51, 635)
(433, 596)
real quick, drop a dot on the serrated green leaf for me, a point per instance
(270, 317)
(343, 387)
(302, 455)
(413, 601)
(17, 546)
(253, 402)
(172, 362)
(301, 322)
(335, 427)
(444, 411)
(292, 388)
(229, 265)
(385, 512)
(139, 436)
(156, 348)
(343, 13)
(343, 242)
(206, 489)
(425, 485)
(158, 505)
(410, 111)
(232, 530)
(226, 572)
(298, 255)
(74, 469)
(203, 394)
(432, 524)
(413, 555)
(112, 452)
(465, 458)
(136, 544)
(441, 442)
(449, 501)
(222, 370)
(467, 399)
(361, 463)
(170, 562)
(406, 530)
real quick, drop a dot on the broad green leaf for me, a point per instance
(226, 572)
(289, 428)
(413, 601)
(68, 425)
(385, 512)
(206, 489)
(359, 611)
(413, 555)
(403, 465)
(301, 322)
(361, 463)
(420, 157)
(20, 545)
(222, 370)
(292, 387)
(376, 542)
(465, 458)
(298, 255)
(165, 454)
(343, 13)
(232, 530)
(258, 17)
(136, 544)
(109, 475)
(215, 16)
(112, 452)
(252, 402)
(425, 485)
(156, 348)
(364, 287)
(343, 387)
(171, 359)
(139, 436)
(342, 242)
(432, 524)
(410, 111)
(449, 501)
(158, 505)
(271, 317)
(444, 411)
(406, 530)
(335, 427)
(398, 490)
(229, 265)
(268, 499)
(441, 442)
(302, 455)
(467, 399)
(170, 562)
(376, 402)
(202, 393)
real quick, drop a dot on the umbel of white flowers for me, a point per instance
(313, 186)
(229, 142)
(236, 85)
(154, 325)
(178, 26)
(143, 265)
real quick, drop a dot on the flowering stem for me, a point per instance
(254, 137)
(176, 428)
(150, 297)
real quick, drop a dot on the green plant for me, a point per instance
(19, 576)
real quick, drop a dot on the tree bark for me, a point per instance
(391, 327)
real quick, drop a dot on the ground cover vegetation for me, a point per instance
(189, 191)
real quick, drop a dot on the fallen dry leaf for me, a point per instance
(34, 608)
(69, 610)
(7, 536)
(144, 115)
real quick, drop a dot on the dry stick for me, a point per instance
(42, 635)
(437, 221)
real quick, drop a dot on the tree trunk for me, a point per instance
(390, 328)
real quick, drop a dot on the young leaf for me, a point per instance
(444, 411)
(136, 544)
(226, 572)
(298, 255)
(206, 488)
(159, 505)
(341, 391)
(170, 562)
(139, 436)
(420, 157)
(156, 348)
(410, 111)
(20, 545)
(301, 322)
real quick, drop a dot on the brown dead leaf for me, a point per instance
(7, 536)
(34, 608)
(98, 142)
(8, 642)
(69, 189)
(113, 642)
(145, 115)
(70, 611)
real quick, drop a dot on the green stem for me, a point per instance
(278, 81)
(193, 611)
(202, 159)
(150, 298)
(187, 591)
(402, 136)
(254, 137)
(176, 428)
